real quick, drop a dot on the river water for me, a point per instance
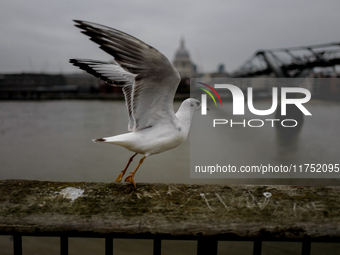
(51, 140)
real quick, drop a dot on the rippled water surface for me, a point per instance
(51, 140)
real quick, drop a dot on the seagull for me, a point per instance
(149, 83)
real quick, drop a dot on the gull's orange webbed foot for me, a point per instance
(120, 177)
(130, 179)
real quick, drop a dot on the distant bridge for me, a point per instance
(290, 62)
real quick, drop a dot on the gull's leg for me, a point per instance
(130, 177)
(119, 178)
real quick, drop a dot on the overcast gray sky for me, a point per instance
(39, 36)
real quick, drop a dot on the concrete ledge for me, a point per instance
(169, 210)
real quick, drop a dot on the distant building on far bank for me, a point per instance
(220, 73)
(85, 83)
(182, 62)
(185, 67)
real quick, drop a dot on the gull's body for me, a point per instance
(164, 136)
(149, 82)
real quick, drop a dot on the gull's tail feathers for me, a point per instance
(122, 140)
(99, 140)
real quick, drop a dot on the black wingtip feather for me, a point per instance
(85, 67)
(88, 69)
(79, 23)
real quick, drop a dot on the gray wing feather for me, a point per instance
(156, 80)
(112, 74)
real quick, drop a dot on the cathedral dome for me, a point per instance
(182, 51)
(183, 63)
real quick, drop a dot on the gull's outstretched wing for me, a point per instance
(156, 79)
(112, 74)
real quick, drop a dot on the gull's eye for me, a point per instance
(191, 105)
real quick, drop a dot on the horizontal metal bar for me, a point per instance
(306, 47)
(193, 238)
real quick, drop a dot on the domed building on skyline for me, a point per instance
(182, 62)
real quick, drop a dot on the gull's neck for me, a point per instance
(184, 116)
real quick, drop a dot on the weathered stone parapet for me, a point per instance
(170, 210)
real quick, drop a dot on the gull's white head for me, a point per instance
(188, 106)
(193, 104)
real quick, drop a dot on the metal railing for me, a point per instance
(205, 246)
